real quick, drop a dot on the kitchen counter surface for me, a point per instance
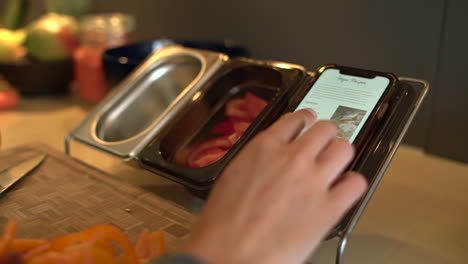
(417, 215)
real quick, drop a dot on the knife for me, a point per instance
(11, 175)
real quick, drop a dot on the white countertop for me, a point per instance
(418, 214)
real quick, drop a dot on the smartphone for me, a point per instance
(354, 99)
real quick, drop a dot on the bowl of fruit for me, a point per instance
(35, 57)
(36, 60)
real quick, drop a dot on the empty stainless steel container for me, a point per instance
(141, 105)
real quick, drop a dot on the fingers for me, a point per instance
(346, 192)
(334, 158)
(314, 140)
(289, 126)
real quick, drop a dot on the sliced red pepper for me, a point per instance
(225, 127)
(223, 143)
(240, 127)
(237, 109)
(207, 158)
(240, 112)
(254, 105)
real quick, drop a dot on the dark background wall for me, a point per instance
(448, 126)
(399, 36)
(420, 38)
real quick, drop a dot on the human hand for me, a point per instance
(279, 197)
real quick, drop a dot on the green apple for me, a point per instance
(11, 48)
(52, 37)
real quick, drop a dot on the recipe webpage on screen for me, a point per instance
(346, 100)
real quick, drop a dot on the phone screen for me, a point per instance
(347, 100)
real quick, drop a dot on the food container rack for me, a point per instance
(148, 124)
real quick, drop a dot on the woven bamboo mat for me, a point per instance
(63, 196)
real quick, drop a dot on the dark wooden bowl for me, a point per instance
(33, 78)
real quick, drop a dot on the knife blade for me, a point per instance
(11, 175)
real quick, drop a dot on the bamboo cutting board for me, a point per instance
(63, 196)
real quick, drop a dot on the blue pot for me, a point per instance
(120, 62)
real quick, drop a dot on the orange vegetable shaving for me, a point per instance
(104, 236)
(7, 238)
(150, 245)
(53, 258)
(36, 252)
(101, 244)
(59, 244)
(24, 245)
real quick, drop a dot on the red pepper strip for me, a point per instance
(254, 105)
(233, 138)
(207, 158)
(219, 142)
(8, 235)
(237, 109)
(24, 245)
(240, 127)
(225, 127)
(104, 236)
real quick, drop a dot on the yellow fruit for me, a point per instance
(11, 49)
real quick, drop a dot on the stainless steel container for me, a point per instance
(271, 81)
(141, 105)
